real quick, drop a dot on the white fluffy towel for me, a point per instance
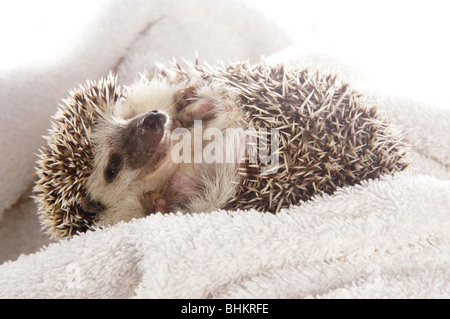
(385, 238)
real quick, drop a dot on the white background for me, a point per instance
(401, 45)
(404, 46)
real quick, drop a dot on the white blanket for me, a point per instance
(384, 238)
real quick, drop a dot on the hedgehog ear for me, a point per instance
(91, 207)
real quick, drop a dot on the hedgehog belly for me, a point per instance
(328, 135)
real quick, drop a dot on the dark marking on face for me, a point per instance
(114, 165)
(141, 139)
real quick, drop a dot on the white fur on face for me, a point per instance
(123, 196)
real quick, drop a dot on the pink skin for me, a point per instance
(191, 108)
(178, 188)
(201, 110)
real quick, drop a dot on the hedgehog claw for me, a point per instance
(190, 108)
(186, 96)
(156, 203)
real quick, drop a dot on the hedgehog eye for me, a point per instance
(114, 164)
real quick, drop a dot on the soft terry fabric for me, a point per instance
(384, 238)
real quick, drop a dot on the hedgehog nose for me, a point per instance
(154, 120)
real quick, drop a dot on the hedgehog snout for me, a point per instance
(154, 120)
(152, 125)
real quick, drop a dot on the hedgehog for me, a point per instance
(199, 138)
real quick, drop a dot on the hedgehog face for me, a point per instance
(128, 161)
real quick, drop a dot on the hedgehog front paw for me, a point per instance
(156, 203)
(191, 107)
(185, 97)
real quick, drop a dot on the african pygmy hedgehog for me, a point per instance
(200, 138)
